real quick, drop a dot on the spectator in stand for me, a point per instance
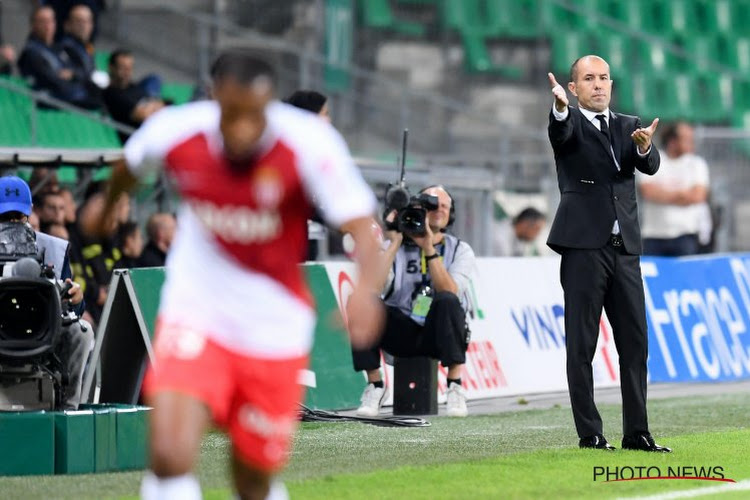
(48, 68)
(63, 7)
(43, 180)
(675, 208)
(129, 102)
(130, 241)
(76, 44)
(34, 221)
(160, 230)
(50, 207)
(312, 101)
(519, 237)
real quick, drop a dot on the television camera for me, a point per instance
(411, 211)
(33, 314)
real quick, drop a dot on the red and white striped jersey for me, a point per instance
(232, 270)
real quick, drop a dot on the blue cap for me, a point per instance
(15, 195)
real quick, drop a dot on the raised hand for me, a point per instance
(642, 136)
(561, 97)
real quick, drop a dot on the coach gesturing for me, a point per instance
(596, 231)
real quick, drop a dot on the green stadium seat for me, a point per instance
(379, 14)
(713, 96)
(740, 16)
(615, 49)
(735, 52)
(179, 93)
(715, 16)
(667, 96)
(566, 48)
(741, 95)
(520, 18)
(15, 110)
(629, 12)
(622, 95)
(703, 51)
(477, 58)
(63, 129)
(474, 17)
(656, 57)
(676, 17)
(101, 60)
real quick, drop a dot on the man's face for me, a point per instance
(592, 85)
(243, 117)
(80, 23)
(43, 25)
(528, 230)
(685, 140)
(53, 210)
(122, 71)
(438, 218)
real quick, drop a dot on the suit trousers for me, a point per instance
(606, 277)
(442, 337)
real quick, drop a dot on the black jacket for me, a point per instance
(593, 192)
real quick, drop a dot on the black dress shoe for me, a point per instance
(643, 442)
(597, 441)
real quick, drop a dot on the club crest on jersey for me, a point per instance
(267, 187)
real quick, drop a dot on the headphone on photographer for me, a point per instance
(452, 213)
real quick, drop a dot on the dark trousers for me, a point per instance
(442, 337)
(610, 278)
(687, 244)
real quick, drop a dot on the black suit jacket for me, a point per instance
(593, 192)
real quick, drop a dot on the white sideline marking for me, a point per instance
(307, 378)
(698, 492)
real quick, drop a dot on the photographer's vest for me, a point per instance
(408, 276)
(54, 250)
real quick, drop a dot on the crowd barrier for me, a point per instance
(698, 312)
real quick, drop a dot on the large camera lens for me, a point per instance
(411, 220)
(30, 316)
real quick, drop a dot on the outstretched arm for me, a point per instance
(647, 158)
(560, 127)
(97, 217)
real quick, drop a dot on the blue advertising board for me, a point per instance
(698, 312)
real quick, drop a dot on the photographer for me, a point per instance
(77, 340)
(426, 281)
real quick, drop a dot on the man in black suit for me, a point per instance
(596, 231)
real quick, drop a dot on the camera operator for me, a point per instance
(77, 340)
(426, 282)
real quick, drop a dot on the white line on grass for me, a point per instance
(698, 492)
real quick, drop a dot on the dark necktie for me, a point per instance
(604, 127)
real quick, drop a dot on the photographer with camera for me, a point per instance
(426, 277)
(51, 253)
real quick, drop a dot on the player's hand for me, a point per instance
(365, 315)
(75, 294)
(642, 136)
(561, 97)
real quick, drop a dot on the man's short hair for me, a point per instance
(118, 53)
(36, 11)
(309, 100)
(529, 214)
(242, 66)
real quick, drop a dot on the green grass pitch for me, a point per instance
(524, 454)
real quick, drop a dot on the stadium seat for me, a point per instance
(379, 14)
(715, 16)
(68, 130)
(657, 57)
(741, 96)
(629, 13)
(101, 60)
(703, 50)
(740, 16)
(178, 93)
(675, 17)
(735, 52)
(667, 96)
(15, 110)
(615, 49)
(566, 48)
(622, 95)
(520, 18)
